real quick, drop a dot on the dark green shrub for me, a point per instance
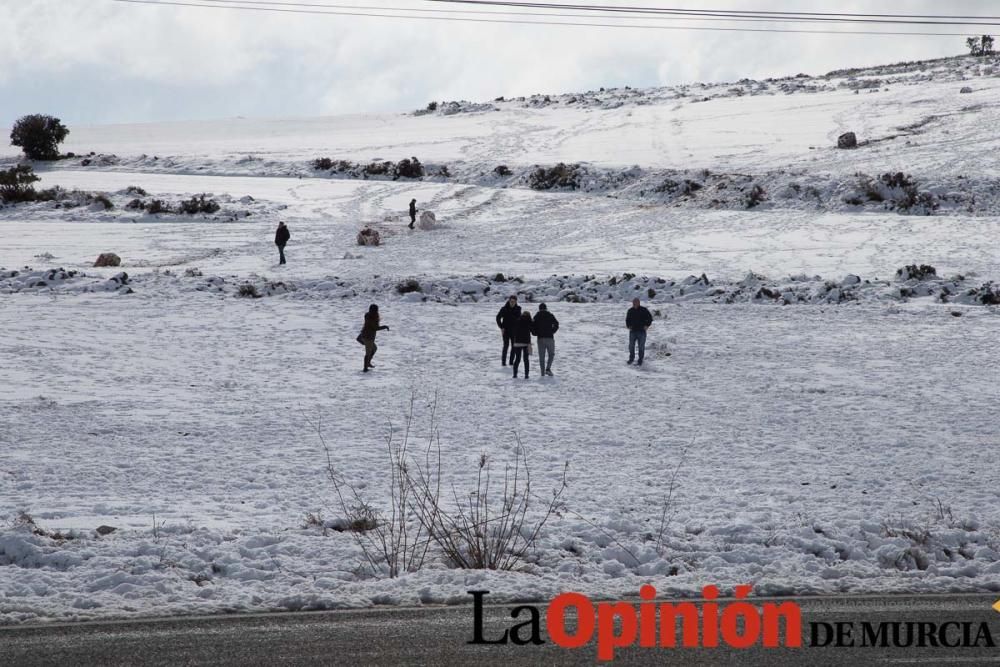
(16, 184)
(198, 204)
(39, 136)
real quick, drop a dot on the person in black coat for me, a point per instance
(413, 212)
(506, 319)
(367, 336)
(521, 341)
(638, 320)
(546, 326)
(281, 236)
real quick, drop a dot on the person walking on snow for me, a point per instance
(546, 326)
(638, 322)
(281, 236)
(367, 336)
(413, 212)
(506, 319)
(521, 342)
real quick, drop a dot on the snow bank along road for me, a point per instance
(844, 443)
(436, 636)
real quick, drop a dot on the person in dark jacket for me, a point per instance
(638, 320)
(367, 336)
(281, 236)
(521, 342)
(546, 326)
(413, 212)
(508, 316)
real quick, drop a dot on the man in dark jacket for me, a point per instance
(546, 326)
(638, 320)
(281, 236)
(413, 212)
(367, 336)
(506, 319)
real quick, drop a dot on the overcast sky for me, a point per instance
(99, 61)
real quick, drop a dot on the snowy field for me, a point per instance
(843, 442)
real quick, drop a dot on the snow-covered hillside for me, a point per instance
(814, 414)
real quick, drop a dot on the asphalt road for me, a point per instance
(439, 636)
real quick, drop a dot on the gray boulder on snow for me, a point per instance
(965, 90)
(847, 140)
(108, 259)
(427, 220)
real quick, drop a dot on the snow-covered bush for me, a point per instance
(198, 204)
(559, 176)
(915, 272)
(248, 290)
(407, 286)
(408, 168)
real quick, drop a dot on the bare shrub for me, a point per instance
(393, 541)
(492, 526)
(489, 526)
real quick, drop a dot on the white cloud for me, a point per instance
(104, 61)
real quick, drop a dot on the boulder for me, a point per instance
(108, 259)
(847, 140)
(369, 236)
(965, 90)
(427, 220)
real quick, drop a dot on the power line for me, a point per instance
(603, 11)
(291, 8)
(776, 15)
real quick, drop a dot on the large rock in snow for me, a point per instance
(427, 220)
(369, 236)
(108, 259)
(847, 140)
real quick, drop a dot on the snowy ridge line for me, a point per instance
(753, 288)
(960, 68)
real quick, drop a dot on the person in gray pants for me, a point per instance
(546, 326)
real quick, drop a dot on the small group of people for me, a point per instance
(517, 327)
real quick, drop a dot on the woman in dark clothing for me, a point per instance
(521, 339)
(367, 336)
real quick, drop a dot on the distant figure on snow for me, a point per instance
(521, 342)
(638, 321)
(506, 319)
(413, 212)
(367, 336)
(281, 236)
(546, 326)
